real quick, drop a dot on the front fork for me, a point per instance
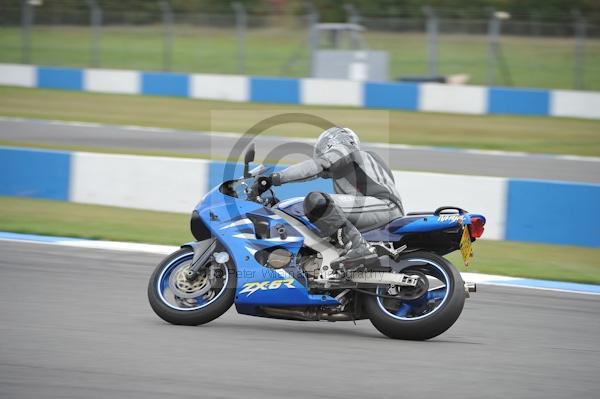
(202, 251)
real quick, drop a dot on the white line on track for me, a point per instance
(143, 129)
(75, 123)
(483, 279)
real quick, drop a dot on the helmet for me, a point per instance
(336, 136)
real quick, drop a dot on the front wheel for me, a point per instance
(422, 312)
(179, 301)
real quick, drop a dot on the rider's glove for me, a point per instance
(276, 179)
(261, 184)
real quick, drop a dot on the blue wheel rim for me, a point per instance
(163, 288)
(439, 295)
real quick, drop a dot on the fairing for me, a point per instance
(229, 220)
(235, 223)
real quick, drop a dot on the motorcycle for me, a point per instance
(265, 256)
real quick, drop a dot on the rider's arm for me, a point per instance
(303, 171)
(313, 168)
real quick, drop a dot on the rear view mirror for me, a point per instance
(249, 157)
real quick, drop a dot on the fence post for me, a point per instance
(167, 14)
(27, 18)
(241, 24)
(431, 25)
(96, 26)
(578, 62)
(496, 61)
(493, 38)
(353, 17)
(313, 35)
(534, 23)
(493, 33)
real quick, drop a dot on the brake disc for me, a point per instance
(185, 289)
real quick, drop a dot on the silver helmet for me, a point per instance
(336, 136)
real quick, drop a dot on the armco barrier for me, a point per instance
(520, 210)
(432, 97)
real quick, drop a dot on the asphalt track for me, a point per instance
(75, 323)
(219, 145)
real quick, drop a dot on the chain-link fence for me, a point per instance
(492, 52)
(495, 50)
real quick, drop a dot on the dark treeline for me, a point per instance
(543, 10)
(329, 10)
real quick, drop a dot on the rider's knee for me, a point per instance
(316, 204)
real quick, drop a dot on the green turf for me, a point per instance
(540, 261)
(24, 215)
(512, 133)
(532, 61)
(109, 223)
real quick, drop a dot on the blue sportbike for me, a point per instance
(267, 258)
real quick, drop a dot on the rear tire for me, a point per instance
(213, 309)
(428, 325)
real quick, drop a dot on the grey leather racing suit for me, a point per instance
(366, 194)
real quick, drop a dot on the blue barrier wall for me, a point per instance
(35, 173)
(60, 78)
(518, 101)
(397, 96)
(165, 84)
(275, 90)
(281, 90)
(536, 211)
(553, 212)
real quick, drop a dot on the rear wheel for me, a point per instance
(179, 301)
(422, 312)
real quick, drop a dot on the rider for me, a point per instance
(366, 194)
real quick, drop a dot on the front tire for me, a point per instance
(424, 317)
(201, 302)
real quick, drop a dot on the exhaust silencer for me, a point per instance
(470, 287)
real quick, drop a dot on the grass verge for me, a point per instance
(34, 216)
(497, 132)
(25, 215)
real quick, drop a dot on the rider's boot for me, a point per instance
(357, 252)
(332, 222)
(352, 241)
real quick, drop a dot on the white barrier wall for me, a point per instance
(515, 209)
(177, 184)
(18, 75)
(575, 104)
(331, 92)
(220, 87)
(437, 97)
(154, 183)
(111, 81)
(429, 97)
(477, 194)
